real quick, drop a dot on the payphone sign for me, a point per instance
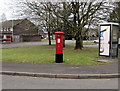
(104, 47)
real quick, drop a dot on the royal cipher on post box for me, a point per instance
(59, 47)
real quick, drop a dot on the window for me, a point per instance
(4, 37)
(8, 29)
(3, 29)
(11, 29)
(0, 29)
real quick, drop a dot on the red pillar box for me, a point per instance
(59, 47)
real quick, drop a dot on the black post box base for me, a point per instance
(59, 58)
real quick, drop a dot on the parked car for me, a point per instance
(96, 41)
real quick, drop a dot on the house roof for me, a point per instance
(9, 23)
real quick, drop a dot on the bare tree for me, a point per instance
(70, 17)
(41, 10)
(3, 17)
(84, 13)
(115, 14)
(78, 15)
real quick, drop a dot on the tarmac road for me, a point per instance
(21, 82)
(110, 68)
(22, 44)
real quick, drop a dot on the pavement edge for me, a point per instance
(66, 76)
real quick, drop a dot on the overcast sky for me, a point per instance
(8, 7)
(5, 8)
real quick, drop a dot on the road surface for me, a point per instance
(21, 82)
(22, 44)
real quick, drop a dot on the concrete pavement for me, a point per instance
(22, 82)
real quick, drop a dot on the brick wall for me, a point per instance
(25, 27)
(28, 38)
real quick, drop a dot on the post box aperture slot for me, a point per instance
(58, 36)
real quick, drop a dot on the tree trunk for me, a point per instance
(63, 41)
(49, 38)
(79, 43)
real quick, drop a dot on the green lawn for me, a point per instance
(88, 43)
(85, 43)
(46, 54)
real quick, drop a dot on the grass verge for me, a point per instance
(46, 54)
